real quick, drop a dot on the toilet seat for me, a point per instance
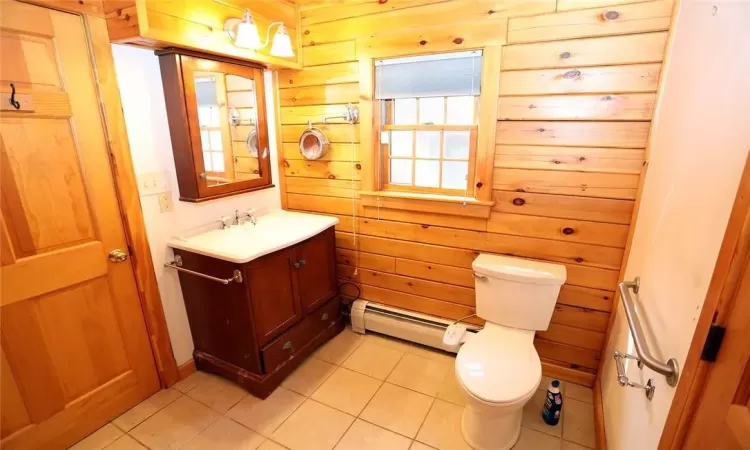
(499, 365)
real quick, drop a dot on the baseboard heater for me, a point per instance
(407, 325)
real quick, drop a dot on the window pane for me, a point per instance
(456, 145)
(427, 173)
(214, 116)
(401, 171)
(207, 161)
(428, 144)
(460, 111)
(204, 140)
(455, 174)
(432, 110)
(405, 111)
(401, 143)
(217, 160)
(204, 116)
(215, 138)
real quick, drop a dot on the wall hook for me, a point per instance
(15, 103)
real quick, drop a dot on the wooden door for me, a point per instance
(75, 349)
(273, 293)
(317, 270)
(722, 414)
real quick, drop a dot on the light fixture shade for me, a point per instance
(282, 44)
(246, 34)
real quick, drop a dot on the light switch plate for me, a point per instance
(152, 183)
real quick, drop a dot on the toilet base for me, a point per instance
(491, 428)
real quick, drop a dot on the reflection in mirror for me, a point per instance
(227, 117)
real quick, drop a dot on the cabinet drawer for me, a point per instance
(298, 337)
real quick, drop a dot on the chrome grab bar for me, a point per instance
(670, 369)
(177, 265)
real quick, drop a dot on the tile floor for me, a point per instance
(355, 393)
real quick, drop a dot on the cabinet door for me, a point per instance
(317, 270)
(272, 285)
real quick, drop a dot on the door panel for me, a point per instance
(317, 276)
(75, 349)
(275, 304)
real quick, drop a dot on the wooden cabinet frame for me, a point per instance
(178, 69)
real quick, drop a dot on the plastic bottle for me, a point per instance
(552, 404)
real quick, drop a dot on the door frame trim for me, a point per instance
(727, 276)
(126, 186)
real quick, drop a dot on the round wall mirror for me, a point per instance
(313, 143)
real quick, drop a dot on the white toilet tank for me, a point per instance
(515, 292)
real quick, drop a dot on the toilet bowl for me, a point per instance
(499, 370)
(498, 367)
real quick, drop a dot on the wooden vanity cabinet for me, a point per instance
(257, 331)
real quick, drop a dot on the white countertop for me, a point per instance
(246, 242)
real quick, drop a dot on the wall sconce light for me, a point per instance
(244, 34)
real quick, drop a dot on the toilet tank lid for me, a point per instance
(520, 270)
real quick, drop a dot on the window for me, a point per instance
(427, 119)
(210, 127)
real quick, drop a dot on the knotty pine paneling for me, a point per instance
(577, 94)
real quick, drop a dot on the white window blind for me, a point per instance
(442, 75)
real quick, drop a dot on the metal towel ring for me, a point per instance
(313, 143)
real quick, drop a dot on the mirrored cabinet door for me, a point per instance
(217, 119)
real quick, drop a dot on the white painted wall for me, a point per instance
(148, 132)
(700, 141)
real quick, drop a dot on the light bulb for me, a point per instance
(282, 44)
(246, 34)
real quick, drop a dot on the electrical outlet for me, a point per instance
(165, 202)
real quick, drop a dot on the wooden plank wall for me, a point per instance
(577, 93)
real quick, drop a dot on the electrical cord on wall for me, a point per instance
(348, 298)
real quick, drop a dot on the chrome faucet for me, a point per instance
(239, 218)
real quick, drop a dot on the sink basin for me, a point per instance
(243, 243)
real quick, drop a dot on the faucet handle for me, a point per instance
(226, 221)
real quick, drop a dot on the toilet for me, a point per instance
(498, 367)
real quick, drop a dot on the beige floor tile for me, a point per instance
(264, 416)
(146, 409)
(420, 446)
(578, 392)
(432, 353)
(126, 443)
(419, 374)
(566, 445)
(534, 440)
(398, 409)
(99, 438)
(190, 382)
(578, 423)
(451, 390)
(442, 427)
(225, 434)
(314, 426)
(174, 425)
(388, 341)
(532, 415)
(544, 384)
(365, 436)
(308, 376)
(217, 393)
(339, 348)
(347, 390)
(271, 445)
(373, 359)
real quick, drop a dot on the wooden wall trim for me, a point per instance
(95, 8)
(130, 205)
(599, 430)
